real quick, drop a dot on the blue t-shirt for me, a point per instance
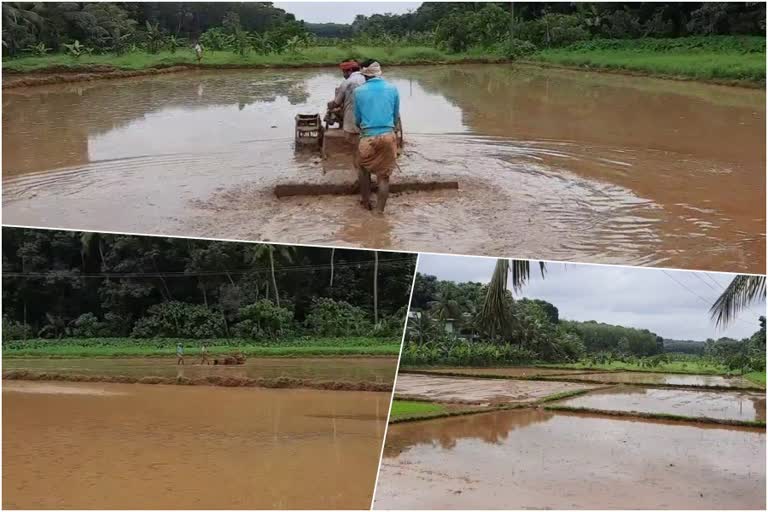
(377, 107)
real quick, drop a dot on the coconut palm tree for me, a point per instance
(268, 252)
(743, 291)
(375, 288)
(494, 316)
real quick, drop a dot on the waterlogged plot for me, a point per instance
(347, 369)
(479, 391)
(669, 379)
(512, 372)
(536, 459)
(134, 446)
(540, 155)
(725, 405)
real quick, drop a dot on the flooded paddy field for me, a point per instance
(547, 165)
(668, 379)
(523, 459)
(479, 391)
(347, 369)
(512, 372)
(118, 446)
(726, 405)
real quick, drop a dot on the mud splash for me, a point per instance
(538, 459)
(547, 165)
(175, 447)
(211, 380)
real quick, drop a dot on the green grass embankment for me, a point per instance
(307, 57)
(737, 59)
(131, 347)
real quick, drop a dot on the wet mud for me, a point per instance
(349, 369)
(479, 391)
(512, 372)
(725, 405)
(546, 163)
(211, 380)
(524, 459)
(667, 379)
(119, 446)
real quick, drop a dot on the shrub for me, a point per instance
(179, 320)
(514, 48)
(458, 352)
(13, 330)
(328, 317)
(552, 30)
(87, 325)
(264, 318)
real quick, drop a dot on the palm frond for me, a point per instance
(743, 291)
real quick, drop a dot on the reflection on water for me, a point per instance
(352, 369)
(491, 428)
(533, 459)
(743, 406)
(670, 379)
(548, 163)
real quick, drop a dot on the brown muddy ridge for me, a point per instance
(546, 163)
(119, 446)
(211, 380)
(531, 458)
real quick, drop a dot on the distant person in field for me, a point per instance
(198, 52)
(377, 110)
(179, 353)
(204, 354)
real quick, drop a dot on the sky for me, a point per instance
(672, 303)
(342, 12)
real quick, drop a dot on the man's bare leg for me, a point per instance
(382, 194)
(364, 178)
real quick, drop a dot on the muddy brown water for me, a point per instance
(670, 379)
(517, 371)
(535, 459)
(551, 163)
(118, 446)
(726, 405)
(352, 369)
(479, 391)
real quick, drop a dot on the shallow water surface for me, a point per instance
(534, 459)
(549, 164)
(670, 379)
(351, 369)
(479, 391)
(178, 447)
(726, 405)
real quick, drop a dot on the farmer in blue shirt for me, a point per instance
(377, 109)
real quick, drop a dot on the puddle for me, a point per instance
(670, 379)
(478, 391)
(350, 369)
(535, 459)
(726, 405)
(177, 447)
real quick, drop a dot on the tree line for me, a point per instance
(59, 283)
(450, 323)
(119, 27)
(512, 28)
